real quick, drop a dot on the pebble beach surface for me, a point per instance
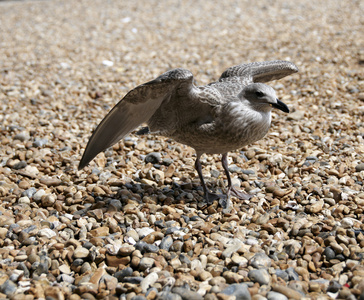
(133, 224)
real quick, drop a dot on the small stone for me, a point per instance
(24, 200)
(329, 253)
(120, 275)
(240, 291)
(115, 260)
(47, 232)
(143, 232)
(50, 181)
(261, 276)
(276, 296)
(262, 219)
(168, 296)
(48, 200)
(204, 275)
(260, 260)
(359, 167)
(38, 195)
(232, 277)
(148, 281)
(81, 252)
(40, 142)
(8, 288)
(317, 206)
(231, 249)
(65, 269)
(288, 292)
(186, 294)
(153, 157)
(166, 243)
(101, 231)
(146, 263)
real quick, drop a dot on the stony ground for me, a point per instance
(133, 224)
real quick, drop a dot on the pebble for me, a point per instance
(239, 291)
(81, 252)
(186, 294)
(276, 296)
(149, 280)
(146, 263)
(166, 243)
(168, 296)
(47, 233)
(260, 260)
(261, 276)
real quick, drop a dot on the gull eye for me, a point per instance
(259, 94)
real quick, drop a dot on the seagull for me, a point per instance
(220, 117)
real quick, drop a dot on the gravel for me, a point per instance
(134, 224)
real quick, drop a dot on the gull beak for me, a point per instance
(280, 105)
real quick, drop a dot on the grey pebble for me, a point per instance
(168, 296)
(21, 136)
(153, 157)
(215, 173)
(85, 268)
(187, 294)
(170, 230)
(330, 253)
(20, 165)
(235, 169)
(40, 142)
(276, 296)
(228, 252)
(240, 291)
(184, 259)
(133, 279)
(166, 243)
(261, 276)
(160, 223)
(282, 274)
(334, 287)
(66, 278)
(151, 248)
(120, 275)
(8, 287)
(260, 260)
(146, 263)
(37, 196)
(292, 274)
(42, 268)
(138, 298)
(24, 268)
(140, 245)
(29, 192)
(167, 161)
(359, 167)
(116, 204)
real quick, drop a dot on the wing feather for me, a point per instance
(260, 71)
(137, 107)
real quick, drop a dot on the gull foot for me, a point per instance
(224, 200)
(211, 197)
(239, 194)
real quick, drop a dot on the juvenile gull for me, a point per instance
(217, 118)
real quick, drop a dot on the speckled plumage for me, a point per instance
(220, 117)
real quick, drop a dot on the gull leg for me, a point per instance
(210, 197)
(231, 189)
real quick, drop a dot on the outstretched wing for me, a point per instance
(260, 71)
(137, 107)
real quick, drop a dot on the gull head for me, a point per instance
(262, 97)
